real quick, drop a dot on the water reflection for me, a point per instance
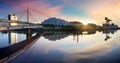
(108, 32)
(58, 35)
(7, 51)
(90, 49)
(61, 49)
(65, 47)
(13, 37)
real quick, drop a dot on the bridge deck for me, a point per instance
(24, 25)
(13, 21)
(19, 27)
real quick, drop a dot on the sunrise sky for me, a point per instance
(71, 10)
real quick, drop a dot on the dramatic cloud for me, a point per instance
(80, 10)
(99, 9)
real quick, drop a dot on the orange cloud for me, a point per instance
(104, 8)
(44, 9)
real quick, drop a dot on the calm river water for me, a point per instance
(67, 47)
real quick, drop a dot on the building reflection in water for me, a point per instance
(13, 37)
(58, 35)
(18, 47)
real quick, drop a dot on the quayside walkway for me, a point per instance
(20, 27)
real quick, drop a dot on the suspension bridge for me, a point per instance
(12, 22)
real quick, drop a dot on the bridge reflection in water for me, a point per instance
(15, 48)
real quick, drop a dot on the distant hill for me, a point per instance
(55, 22)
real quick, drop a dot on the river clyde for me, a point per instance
(64, 47)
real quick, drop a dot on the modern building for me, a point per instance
(13, 17)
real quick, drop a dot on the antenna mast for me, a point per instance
(27, 11)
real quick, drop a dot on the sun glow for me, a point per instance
(85, 22)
